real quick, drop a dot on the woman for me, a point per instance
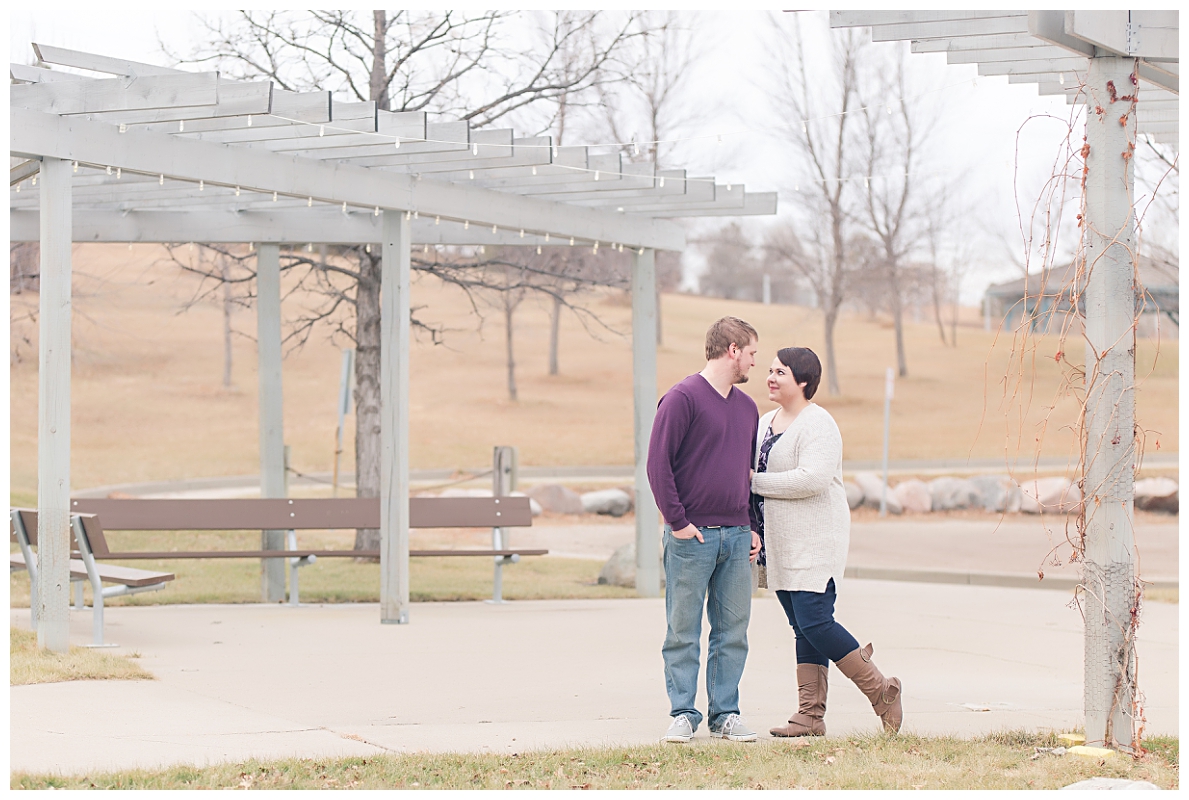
(806, 520)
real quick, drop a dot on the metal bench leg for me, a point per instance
(96, 586)
(79, 600)
(497, 582)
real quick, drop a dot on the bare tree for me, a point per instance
(477, 66)
(821, 127)
(895, 128)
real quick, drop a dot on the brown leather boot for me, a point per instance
(884, 693)
(811, 701)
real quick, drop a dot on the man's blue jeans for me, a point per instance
(715, 574)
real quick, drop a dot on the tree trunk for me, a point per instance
(937, 305)
(367, 391)
(831, 362)
(898, 321)
(509, 307)
(554, 335)
(226, 323)
(378, 80)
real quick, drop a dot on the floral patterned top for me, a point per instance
(757, 500)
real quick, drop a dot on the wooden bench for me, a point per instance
(292, 515)
(128, 580)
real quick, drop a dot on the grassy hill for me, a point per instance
(149, 405)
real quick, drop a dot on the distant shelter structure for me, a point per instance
(109, 150)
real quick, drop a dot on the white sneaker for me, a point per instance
(734, 729)
(680, 732)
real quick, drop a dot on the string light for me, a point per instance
(571, 241)
(538, 249)
(437, 220)
(309, 202)
(181, 125)
(310, 247)
(466, 225)
(494, 229)
(344, 206)
(425, 249)
(367, 248)
(109, 170)
(119, 174)
(416, 214)
(534, 170)
(124, 129)
(662, 182)
(161, 182)
(522, 233)
(636, 147)
(201, 185)
(376, 213)
(34, 181)
(472, 174)
(76, 166)
(274, 197)
(251, 246)
(596, 174)
(728, 187)
(237, 191)
(408, 215)
(595, 249)
(1061, 78)
(804, 127)
(546, 237)
(321, 130)
(475, 149)
(249, 120)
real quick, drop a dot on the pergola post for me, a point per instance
(53, 411)
(644, 317)
(394, 419)
(1108, 574)
(272, 427)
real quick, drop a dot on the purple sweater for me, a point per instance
(700, 455)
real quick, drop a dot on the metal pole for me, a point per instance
(1108, 572)
(644, 315)
(767, 292)
(272, 421)
(394, 419)
(503, 483)
(344, 410)
(889, 389)
(53, 410)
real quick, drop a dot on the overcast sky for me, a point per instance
(976, 142)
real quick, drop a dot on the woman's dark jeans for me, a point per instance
(820, 639)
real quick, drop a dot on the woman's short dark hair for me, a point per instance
(806, 367)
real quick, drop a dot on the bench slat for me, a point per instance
(111, 573)
(302, 514)
(171, 554)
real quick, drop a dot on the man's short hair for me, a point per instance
(805, 366)
(726, 332)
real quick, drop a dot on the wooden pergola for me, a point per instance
(111, 150)
(1124, 66)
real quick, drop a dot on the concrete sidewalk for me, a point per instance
(236, 682)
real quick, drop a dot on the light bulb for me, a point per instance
(534, 170)
(344, 206)
(161, 182)
(472, 175)
(662, 182)
(494, 229)
(237, 191)
(522, 233)
(466, 225)
(181, 125)
(376, 213)
(321, 130)
(1061, 78)
(596, 174)
(728, 187)
(396, 144)
(571, 241)
(475, 149)
(201, 185)
(309, 202)
(437, 220)
(119, 173)
(367, 248)
(310, 247)
(274, 197)
(538, 249)
(425, 249)
(249, 120)
(124, 129)
(635, 148)
(595, 249)
(109, 170)
(76, 166)
(416, 214)
(547, 237)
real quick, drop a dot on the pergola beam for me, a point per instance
(35, 133)
(118, 94)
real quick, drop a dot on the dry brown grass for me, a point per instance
(148, 404)
(1008, 760)
(28, 664)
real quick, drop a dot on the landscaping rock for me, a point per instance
(998, 493)
(1157, 494)
(1052, 495)
(615, 502)
(951, 493)
(1111, 783)
(854, 494)
(620, 569)
(914, 496)
(557, 498)
(872, 486)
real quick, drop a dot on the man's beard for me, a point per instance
(740, 375)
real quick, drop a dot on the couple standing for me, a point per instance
(734, 490)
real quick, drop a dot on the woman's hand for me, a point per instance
(756, 543)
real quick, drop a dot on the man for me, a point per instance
(699, 468)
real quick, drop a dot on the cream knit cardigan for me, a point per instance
(806, 516)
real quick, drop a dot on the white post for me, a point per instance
(889, 389)
(648, 542)
(394, 419)
(53, 410)
(1108, 571)
(767, 291)
(344, 409)
(272, 428)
